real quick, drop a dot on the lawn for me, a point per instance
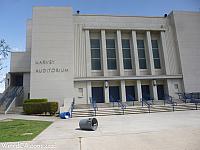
(12, 130)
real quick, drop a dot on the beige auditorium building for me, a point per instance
(107, 57)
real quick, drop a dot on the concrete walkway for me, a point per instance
(28, 117)
(156, 131)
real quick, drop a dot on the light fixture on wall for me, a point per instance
(154, 83)
(106, 84)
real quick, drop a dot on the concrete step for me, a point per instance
(15, 110)
(132, 110)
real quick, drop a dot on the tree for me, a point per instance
(4, 50)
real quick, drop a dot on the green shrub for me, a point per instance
(34, 108)
(40, 107)
(52, 107)
(35, 100)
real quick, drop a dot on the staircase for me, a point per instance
(9, 97)
(16, 110)
(107, 109)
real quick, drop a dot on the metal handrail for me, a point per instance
(17, 91)
(148, 103)
(121, 105)
(186, 97)
(71, 108)
(168, 99)
(94, 105)
(5, 95)
(190, 98)
(132, 98)
(10, 96)
(195, 101)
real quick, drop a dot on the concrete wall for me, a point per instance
(187, 27)
(28, 34)
(95, 23)
(171, 50)
(26, 84)
(174, 86)
(80, 89)
(60, 51)
(52, 53)
(20, 62)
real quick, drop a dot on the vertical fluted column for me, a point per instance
(135, 50)
(164, 49)
(88, 52)
(103, 45)
(120, 53)
(150, 52)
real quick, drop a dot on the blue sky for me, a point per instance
(14, 13)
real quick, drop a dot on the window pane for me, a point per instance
(127, 64)
(155, 53)
(95, 43)
(125, 44)
(111, 53)
(95, 53)
(141, 53)
(154, 43)
(126, 53)
(96, 64)
(110, 43)
(112, 64)
(157, 63)
(142, 64)
(140, 43)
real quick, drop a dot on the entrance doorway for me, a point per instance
(161, 92)
(114, 93)
(146, 92)
(16, 80)
(130, 93)
(98, 94)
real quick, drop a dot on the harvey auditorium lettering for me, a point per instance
(48, 67)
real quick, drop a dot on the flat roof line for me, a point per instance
(117, 16)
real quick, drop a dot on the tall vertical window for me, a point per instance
(95, 54)
(156, 57)
(126, 54)
(111, 54)
(141, 54)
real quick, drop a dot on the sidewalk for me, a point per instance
(28, 117)
(155, 131)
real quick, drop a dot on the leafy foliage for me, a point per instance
(40, 106)
(35, 100)
(4, 51)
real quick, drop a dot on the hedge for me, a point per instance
(35, 100)
(40, 107)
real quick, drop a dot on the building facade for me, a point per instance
(107, 57)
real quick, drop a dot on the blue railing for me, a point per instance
(71, 108)
(122, 106)
(148, 102)
(195, 101)
(119, 104)
(168, 100)
(94, 105)
(185, 97)
(191, 98)
(131, 98)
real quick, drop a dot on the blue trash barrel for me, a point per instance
(65, 115)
